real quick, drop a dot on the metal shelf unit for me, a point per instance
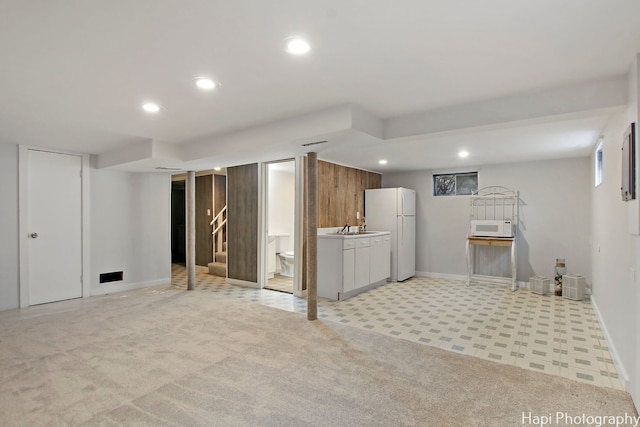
(492, 203)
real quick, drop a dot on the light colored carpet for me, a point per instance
(167, 357)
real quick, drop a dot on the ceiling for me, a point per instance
(413, 81)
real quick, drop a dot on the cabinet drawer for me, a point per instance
(375, 241)
(348, 244)
(363, 243)
(386, 238)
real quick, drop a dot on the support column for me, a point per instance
(191, 230)
(312, 236)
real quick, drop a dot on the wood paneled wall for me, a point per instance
(242, 222)
(341, 193)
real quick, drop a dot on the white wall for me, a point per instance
(130, 229)
(9, 290)
(554, 216)
(616, 252)
(282, 205)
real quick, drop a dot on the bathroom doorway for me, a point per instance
(280, 201)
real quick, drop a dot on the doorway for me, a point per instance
(178, 223)
(280, 183)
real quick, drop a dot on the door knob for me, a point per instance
(33, 235)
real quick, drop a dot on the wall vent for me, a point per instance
(114, 276)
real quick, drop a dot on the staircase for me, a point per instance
(219, 266)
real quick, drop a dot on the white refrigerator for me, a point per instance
(394, 210)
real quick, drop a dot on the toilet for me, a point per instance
(286, 263)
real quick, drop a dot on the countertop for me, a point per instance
(352, 236)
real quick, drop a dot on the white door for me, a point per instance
(54, 226)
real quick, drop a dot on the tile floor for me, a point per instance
(541, 333)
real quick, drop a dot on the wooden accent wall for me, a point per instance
(242, 222)
(341, 193)
(204, 211)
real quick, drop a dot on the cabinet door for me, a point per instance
(363, 255)
(380, 258)
(348, 269)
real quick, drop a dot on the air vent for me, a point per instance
(114, 276)
(163, 168)
(313, 143)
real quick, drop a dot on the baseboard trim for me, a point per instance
(622, 373)
(432, 275)
(110, 289)
(244, 283)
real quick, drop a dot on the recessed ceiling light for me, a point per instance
(463, 154)
(383, 162)
(217, 169)
(296, 46)
(150, 107)
(205, 83)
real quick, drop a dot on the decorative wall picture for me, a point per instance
(628, 188)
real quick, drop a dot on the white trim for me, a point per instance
(298, 232)
(263, 239)
(106, 289)
(622, 373)
(244, 283)
(23, 210)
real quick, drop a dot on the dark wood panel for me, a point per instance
(219, 192)
(204, 211)
(242, 222)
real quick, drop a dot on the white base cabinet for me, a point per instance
(350, 264)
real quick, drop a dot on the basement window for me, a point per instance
(598, 164)
(455, 184)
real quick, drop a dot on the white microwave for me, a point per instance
(491, 228)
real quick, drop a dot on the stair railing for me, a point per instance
(219, 224)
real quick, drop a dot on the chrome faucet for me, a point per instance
(346, 227)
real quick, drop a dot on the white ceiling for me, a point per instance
(411, 81)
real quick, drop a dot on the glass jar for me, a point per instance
(560, 270)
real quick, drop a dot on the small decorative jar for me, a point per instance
(560, 270)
